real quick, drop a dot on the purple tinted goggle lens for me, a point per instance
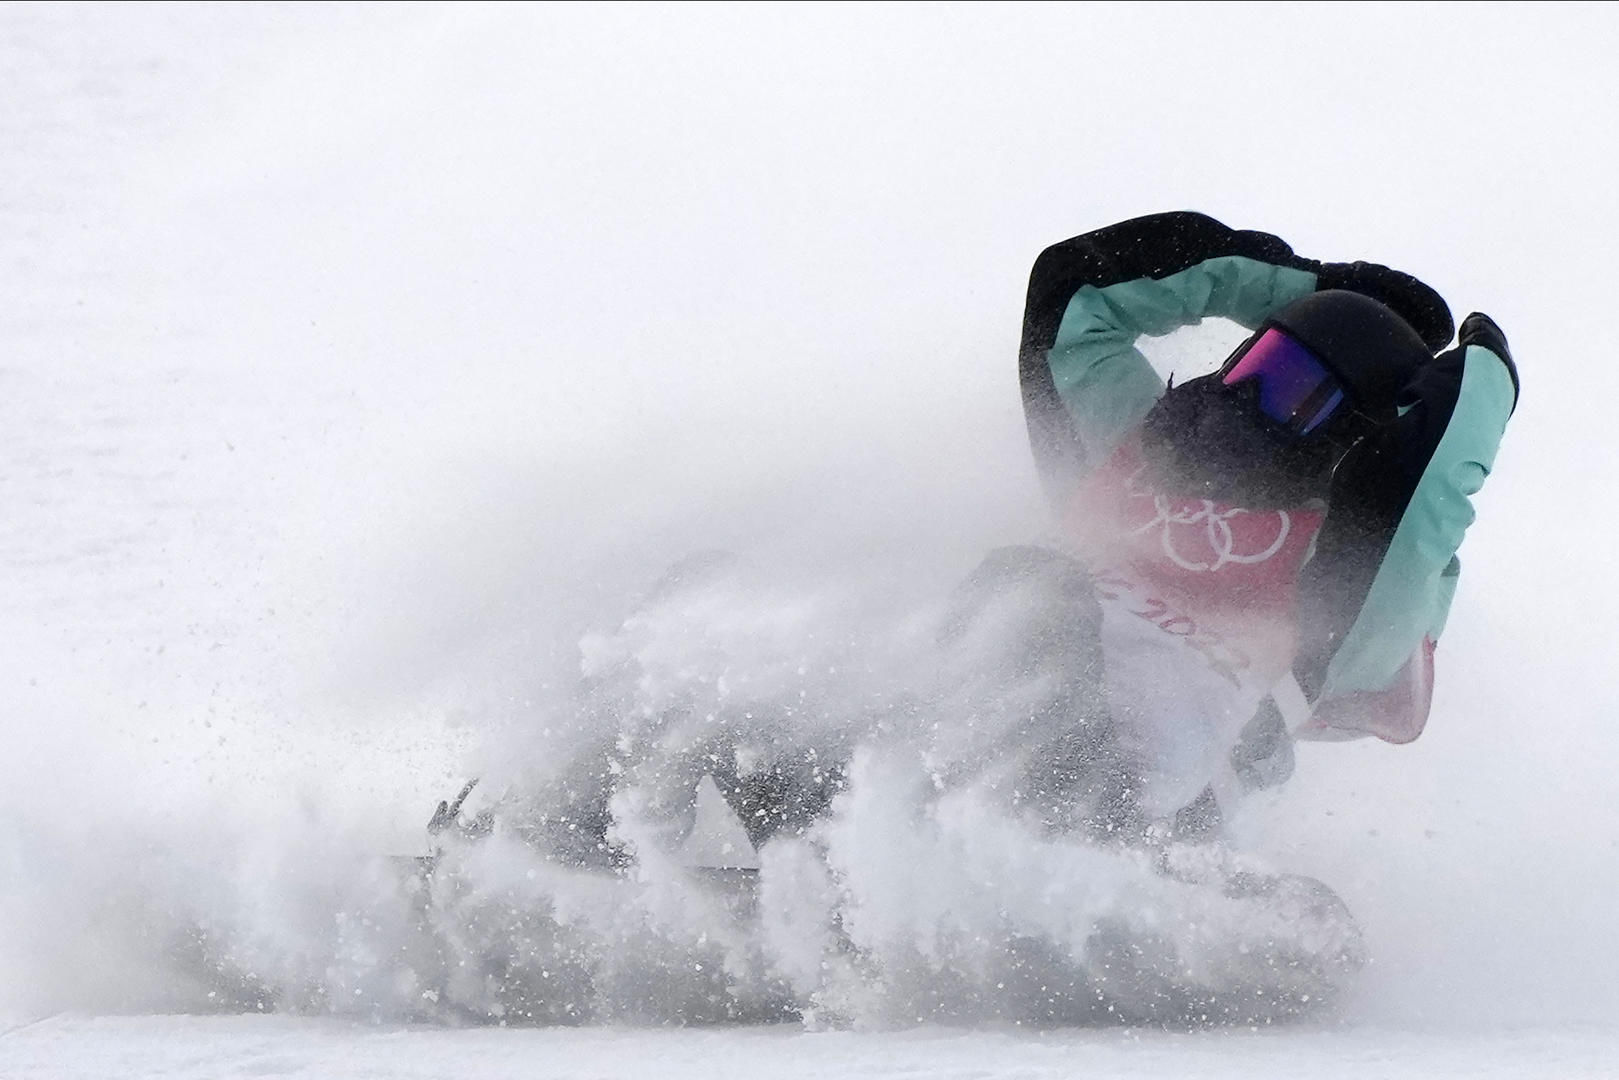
(1295, 389)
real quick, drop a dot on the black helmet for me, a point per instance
(1270, 425)
(1370, 350)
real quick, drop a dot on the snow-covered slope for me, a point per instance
(205, 1048)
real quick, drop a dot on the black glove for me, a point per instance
(1479, 329)
(1412, 300)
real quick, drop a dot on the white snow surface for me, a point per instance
(208, 1047)
(355, 361)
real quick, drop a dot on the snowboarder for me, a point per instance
(1272, 547)
(1264, 553)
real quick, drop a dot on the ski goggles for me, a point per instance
(1296, 389)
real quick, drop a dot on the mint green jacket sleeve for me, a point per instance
(1376, 596)
(1105, 383)
(1093, 297)
(1409, 598)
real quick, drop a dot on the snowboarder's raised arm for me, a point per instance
(1374, 598)
(1085, 384)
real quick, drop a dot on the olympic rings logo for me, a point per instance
(1214, 524)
